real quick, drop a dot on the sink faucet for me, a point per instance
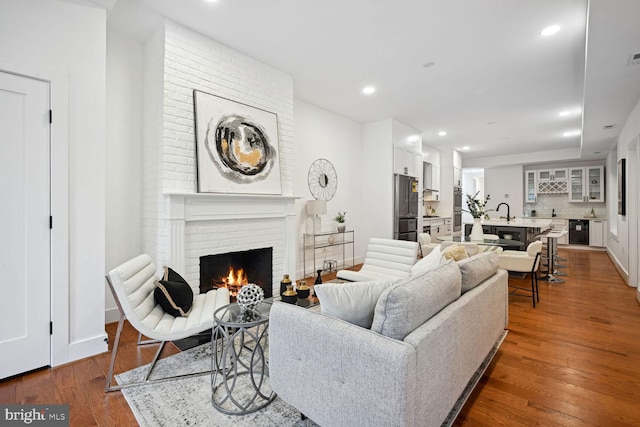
(508, 210)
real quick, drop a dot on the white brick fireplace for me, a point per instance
(179, 224)
(209, 224)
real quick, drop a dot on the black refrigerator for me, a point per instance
(405, 207)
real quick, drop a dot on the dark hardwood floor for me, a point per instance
(574, 360)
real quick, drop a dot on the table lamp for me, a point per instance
(315, 208)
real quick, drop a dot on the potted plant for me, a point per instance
(476, 208)
(340, 218)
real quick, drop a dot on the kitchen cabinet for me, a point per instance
(406, 162)
(553, 174)
(530, 187)
(597, 232)
(586, 184)
(431, 176)
(438, 228)
(457, 176)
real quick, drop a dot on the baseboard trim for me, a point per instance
(621, 271)
(89, 347)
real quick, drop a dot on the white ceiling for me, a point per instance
(495, 85)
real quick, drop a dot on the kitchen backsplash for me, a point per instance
(547, 202)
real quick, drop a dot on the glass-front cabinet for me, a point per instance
(552, 174)
(586, 184)
(530, 187)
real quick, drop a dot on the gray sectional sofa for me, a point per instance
(412, 361)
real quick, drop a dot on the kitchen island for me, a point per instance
(524, 230)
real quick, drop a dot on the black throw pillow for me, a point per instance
(173, 293)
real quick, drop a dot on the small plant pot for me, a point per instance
(342, 228)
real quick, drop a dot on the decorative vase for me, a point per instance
(319, 278)
(283, 284)
(290, 295)
(303, 289)
(476, 231)
(342, 227)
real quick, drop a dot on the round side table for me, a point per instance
(239, 365)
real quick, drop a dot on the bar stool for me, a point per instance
(552, 248)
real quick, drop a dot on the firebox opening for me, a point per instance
(234, 269)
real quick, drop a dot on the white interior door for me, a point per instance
(24, 224)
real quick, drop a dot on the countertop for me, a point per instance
(519, 222)
(568, 217)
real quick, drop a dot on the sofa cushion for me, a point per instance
(477, 268)
(429, 262)
(411, 302)
(352, 302)
(455, 252)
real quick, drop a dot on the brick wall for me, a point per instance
(193, 61)
(177, 61)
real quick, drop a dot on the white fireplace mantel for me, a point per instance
(189, 207)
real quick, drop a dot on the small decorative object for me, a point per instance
(283, 284)
(303, 289)
(330, 265)
(533, 212)
(319, 278)
(249, 296)
(476, 208)
(290, 295)
(340, 218)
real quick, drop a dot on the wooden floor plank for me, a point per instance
(574, 360)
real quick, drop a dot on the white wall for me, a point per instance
(377, 180)
(124, 155)
(618, 245)
(504, 184)
(322, 134)
(65, 44)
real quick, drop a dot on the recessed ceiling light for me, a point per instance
(442, 133)
(564, 113)
(368, 90)
(413, 138)
(550, 30)
(571, 133)
(465, 148)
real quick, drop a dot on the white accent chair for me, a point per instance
(524, 262)
(132, 285)
(385, 259)
(426, 243)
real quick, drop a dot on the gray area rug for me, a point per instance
(187, 402)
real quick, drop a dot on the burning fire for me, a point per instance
(234, 281)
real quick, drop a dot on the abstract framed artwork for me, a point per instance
(237, 147)
(622, 187)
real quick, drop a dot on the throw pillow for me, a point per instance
(455, 252)
(170, 275)
(429, 262)
(413, 301)
(353, 302)
(477, 269)
(173, 293)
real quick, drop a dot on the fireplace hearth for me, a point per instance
(234, 269)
